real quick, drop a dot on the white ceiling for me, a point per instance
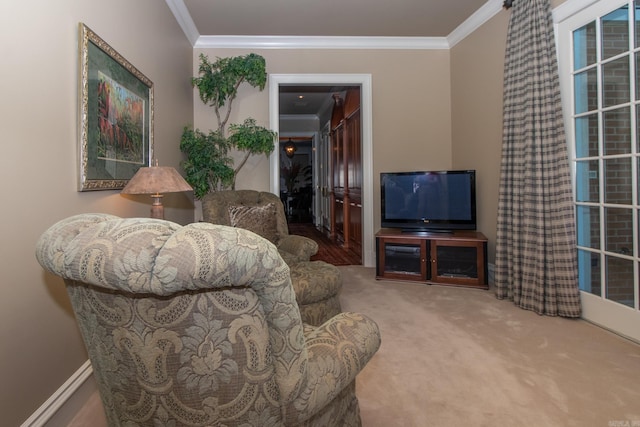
(341, 24)
(354, 18)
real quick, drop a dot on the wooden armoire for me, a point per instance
(346, 171)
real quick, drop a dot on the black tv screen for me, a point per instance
(429, 200)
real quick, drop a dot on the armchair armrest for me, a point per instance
(300, 246)
(337, 351)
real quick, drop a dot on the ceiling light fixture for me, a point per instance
(289, 148)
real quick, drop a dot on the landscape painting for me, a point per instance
(115, 116)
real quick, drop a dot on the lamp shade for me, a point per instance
(155, 180)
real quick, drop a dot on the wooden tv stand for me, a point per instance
(455, 259)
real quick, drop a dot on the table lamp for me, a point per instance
(154, 180)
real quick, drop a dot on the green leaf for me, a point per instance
(208, 166)
(218, 81)
(252, 138)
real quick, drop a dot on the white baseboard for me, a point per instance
(62, 406)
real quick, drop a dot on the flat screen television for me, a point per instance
(429, 201)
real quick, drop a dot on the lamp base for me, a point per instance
(157, 210)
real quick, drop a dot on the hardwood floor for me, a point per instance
(328, 250)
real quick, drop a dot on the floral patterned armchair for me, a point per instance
(198, 325)
(261, 212)
(316, 284)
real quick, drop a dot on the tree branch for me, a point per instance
(235, 90)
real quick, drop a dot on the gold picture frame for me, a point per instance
(115, 116)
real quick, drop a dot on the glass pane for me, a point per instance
(402, 258)
(586, 89)
(584, 46)
(638, 128)
(587, 136)
(615, 32)
(589, 272)
(617, 181)
(457, 261)
(637, 22)
(637, 55)
(615, 82)
(620, 280)
(588, 226)
(587, 188)
(619, 230)
(638, 184)
(616, 131)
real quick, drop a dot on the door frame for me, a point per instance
(597, 309)
(364, 81)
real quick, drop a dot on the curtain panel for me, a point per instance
(536, 262)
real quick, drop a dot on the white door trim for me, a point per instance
(364, 81)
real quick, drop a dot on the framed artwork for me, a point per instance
(115, 116)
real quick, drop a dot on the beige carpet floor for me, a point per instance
(460, 357)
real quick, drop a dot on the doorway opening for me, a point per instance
(363, 81)
(299, 174)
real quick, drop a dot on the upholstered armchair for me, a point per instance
(316, 284)
(261, 212)
(199, 326)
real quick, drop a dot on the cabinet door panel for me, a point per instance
(457, 259)
(457, 262)
(402, 259)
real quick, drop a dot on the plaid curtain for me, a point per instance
(536, 262)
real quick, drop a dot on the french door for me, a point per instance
(599, 60)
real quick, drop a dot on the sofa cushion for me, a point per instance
(258, 219)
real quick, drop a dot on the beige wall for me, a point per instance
(477, 64)
(477, 74)
(411, 122)
(41, 346)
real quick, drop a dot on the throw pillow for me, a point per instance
(258, 219)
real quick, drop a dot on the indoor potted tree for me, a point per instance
(208, 165)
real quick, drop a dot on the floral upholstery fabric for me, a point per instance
(258, 219)
(215, 209)
(317, 286)
(199, 326)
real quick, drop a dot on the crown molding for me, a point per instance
(487, 11)
(182, 15)
(320, 42)
(299, 117)
(301, 134)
